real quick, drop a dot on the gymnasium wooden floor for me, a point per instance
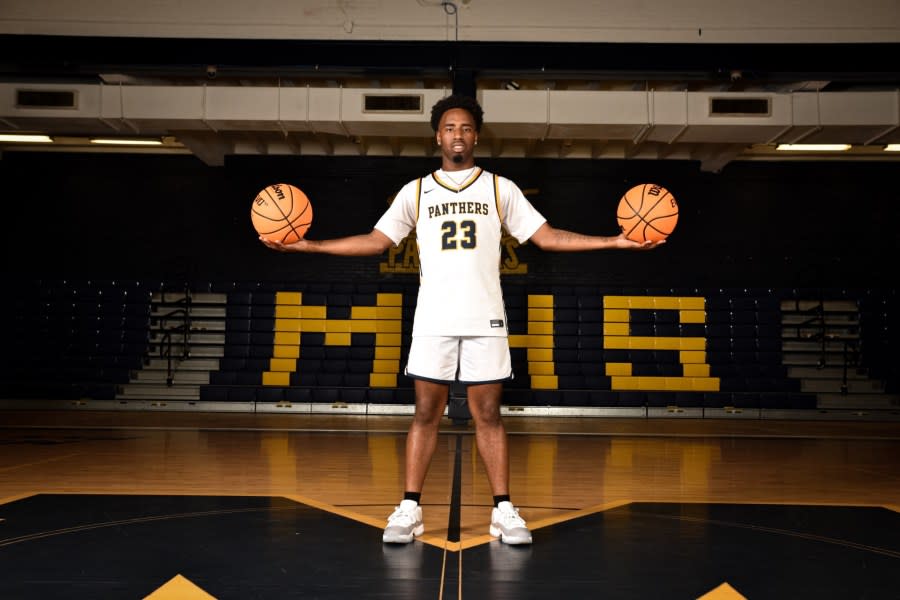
(189, 506)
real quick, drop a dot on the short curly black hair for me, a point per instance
(456, 101)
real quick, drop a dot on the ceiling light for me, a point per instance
(892, 148)
(127, 141)
(19, 137)
(813, 147)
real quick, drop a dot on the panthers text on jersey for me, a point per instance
(458, 230)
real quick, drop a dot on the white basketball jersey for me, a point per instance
(458, 231)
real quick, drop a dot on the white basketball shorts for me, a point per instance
(466, 359)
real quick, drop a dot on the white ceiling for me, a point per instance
(575, 79)
(540, 119)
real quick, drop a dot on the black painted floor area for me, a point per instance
(128, 546)
(687, 550)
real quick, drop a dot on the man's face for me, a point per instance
(456, 135)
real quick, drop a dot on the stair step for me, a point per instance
(811, 359)
(142, 391)
(854, 386)
(157, 397)
(158, 312)
(828, 372)
(859, 401)
(830, 320)
(812, 335)
(143, 387)
(178, 377)
(194, 338)
(792, 359)
(808, 306)
(196, 298)
(197, 325)
(201, 325)
(188, 364)
(212, 351)
(812, 346)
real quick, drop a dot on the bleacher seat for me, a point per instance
(74, 339)
(94, 334)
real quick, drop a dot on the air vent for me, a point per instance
(740, 107)
(45, 99)
(393, 103)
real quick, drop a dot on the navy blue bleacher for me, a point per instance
(74, 339)
(83, 339)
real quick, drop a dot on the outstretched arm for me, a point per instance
(560, 240)
(367, 244)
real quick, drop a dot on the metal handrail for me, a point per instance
(818, 317)
(165, 349)
(850, 347)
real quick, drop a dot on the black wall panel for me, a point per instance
(755, 224)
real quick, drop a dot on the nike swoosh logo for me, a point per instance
(427, 191)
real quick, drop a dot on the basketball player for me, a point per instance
(459, 329)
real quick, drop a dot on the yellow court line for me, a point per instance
(788, 502)
(105, 524)
(336, 510)
(548, 521)
(447, 547)
(443, 575)
(583, 512)
(576, 514)
(480, 540)
(180, 587)
(459, 577)
(9, 499)
(723, 592)
(443, 543)
(432, 540)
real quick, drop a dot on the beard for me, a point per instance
(457, 158)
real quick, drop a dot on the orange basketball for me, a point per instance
(281, 213)
(647, 212)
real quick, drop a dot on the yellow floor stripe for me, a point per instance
(443, 575)
(179, 588)
(576, 514)
(431, 540)
(9, 499)
(548, 521)
(723, 592)
(442, 542)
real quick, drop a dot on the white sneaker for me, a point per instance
(404, 524)
(508, 525)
